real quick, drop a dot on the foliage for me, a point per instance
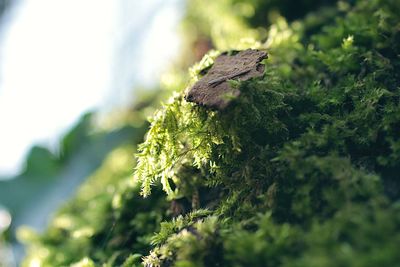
(103, 223)
(300, 170)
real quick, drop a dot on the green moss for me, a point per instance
(300, 170)
(308, 144)
(106, 222)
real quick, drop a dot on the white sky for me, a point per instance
(59, 58)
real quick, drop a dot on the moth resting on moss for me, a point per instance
(213, 90)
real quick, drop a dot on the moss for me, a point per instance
(300, 170)
(106, 222)
(306, 144)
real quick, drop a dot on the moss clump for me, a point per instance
(304, 149)
(300, 170)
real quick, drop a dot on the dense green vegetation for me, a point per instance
(300, 170)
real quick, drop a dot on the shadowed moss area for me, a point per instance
(300, 170)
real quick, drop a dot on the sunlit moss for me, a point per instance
(301, 169)
(296, 146)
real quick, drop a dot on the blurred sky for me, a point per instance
(60, 58)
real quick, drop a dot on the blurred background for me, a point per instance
(70, 71)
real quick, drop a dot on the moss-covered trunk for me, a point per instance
(300, 169)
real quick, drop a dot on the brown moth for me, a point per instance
(213, 90)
